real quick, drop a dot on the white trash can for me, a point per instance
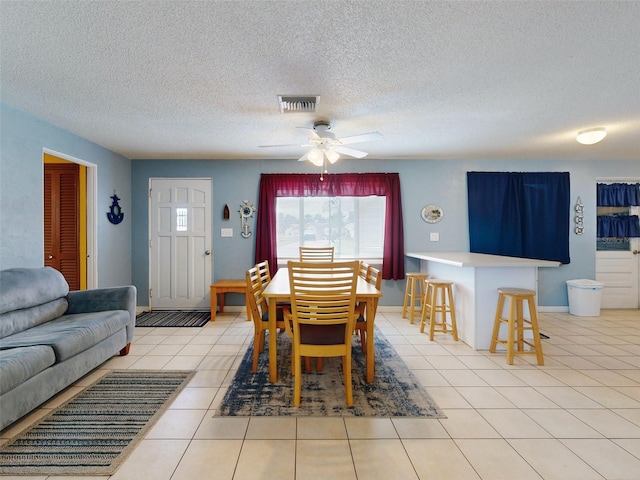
(584, 297)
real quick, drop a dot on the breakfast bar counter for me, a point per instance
(476, 277)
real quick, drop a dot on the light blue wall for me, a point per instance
(442, 182)
(22, 140)
(122, 260)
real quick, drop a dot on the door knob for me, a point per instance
(636, 252)
(207, 252)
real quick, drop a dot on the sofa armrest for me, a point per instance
(104, 299)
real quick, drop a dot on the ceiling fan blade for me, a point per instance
(365, 137)
(350, 152)
(304, 157)
(286, 145)
(312, 133)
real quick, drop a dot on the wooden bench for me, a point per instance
(224, 286)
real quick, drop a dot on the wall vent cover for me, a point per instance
(298, 103)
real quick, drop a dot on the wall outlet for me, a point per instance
(226, 232)
(434, 237)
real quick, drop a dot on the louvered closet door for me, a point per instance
(61, 226)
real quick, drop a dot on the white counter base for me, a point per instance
(476, 279)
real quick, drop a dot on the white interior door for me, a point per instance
(180, 259)
(620, 272)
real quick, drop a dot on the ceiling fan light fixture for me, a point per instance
(332, 156)
(591, 136)
(316, 157)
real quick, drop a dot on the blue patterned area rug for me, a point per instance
(96, 430)
(395, 391)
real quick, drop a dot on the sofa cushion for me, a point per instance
(17, 365)
(19, 320)
(70, 334)
(29, 297)
(27, 287)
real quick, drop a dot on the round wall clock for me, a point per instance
(432, 214)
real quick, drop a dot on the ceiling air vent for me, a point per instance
(298, 103)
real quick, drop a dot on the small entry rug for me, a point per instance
(395, 391)
(96, 430)
(162, 318)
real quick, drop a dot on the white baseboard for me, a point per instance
(390, 308)
(553, 309)
(547, 309)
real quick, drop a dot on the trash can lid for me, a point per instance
(585, 283)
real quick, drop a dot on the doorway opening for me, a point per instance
(87, 215)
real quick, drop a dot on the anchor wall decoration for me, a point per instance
(115, 213)
(246, 212)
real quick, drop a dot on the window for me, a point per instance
(617, 220)
(181, 219)
(339, 185)
(354, 226)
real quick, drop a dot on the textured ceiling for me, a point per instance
(200, 79)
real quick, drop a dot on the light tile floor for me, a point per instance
(576, 417)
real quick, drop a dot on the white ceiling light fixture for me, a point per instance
(591, 135)
(331, 155)
(325, 147)
(316, 156)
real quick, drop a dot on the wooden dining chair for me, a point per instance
(364, 270)
(264, 272)
(374, 278)
(316, 254)
(258, 308)
(323, 302)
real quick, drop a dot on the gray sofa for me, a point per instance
(50, 337)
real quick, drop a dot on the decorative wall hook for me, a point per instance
(579, 218)
(115, 213)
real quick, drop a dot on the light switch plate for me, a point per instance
(226, 232)
(434, 237)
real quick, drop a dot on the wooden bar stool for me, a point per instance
(413, 293)
(517, 324)
(438, 299)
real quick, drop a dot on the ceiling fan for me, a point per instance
(324, 146)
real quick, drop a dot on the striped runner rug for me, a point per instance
(166, 318)
(94, 432)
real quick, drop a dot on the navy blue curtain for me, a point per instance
(618, 226)
(519, 214)
(618, 194)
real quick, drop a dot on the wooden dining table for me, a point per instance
(279, 291)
